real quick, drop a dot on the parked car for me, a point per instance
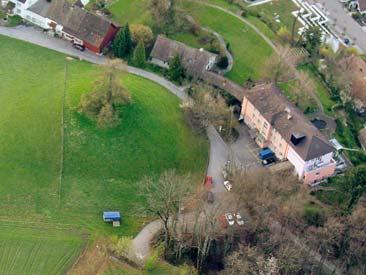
(228, 185)
(266, 153)
(79, 47)
(239, 219)
(269, 161)
(229, 218)
(208, 181)
(210, 197)
(346, 41)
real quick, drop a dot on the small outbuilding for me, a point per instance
(112, 216)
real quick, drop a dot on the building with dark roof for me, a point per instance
(195, 61)
(361, 5)
(282, 127)
(71, 22)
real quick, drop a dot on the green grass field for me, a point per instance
(277, 9)
(249, 49)
(100, 167)
(131, 11)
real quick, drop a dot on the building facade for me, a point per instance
(281, 127)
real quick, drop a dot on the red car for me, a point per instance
(208, 181)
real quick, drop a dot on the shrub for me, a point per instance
(223, 62)
(176, 71)
(121, 246)
(141, 33)
(314, 216)
(139, 55)
(153, 260)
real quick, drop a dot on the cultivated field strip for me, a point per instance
(37, 256)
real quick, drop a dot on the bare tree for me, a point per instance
(208, 107)
(280, 67)
(165, 197)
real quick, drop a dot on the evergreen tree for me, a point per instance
(117, 43)
(176, 70)
(313, 40)
(127, 41)
(122, 44)
(139, 55)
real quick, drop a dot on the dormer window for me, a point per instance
(296, 138)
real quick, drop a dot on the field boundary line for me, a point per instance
(61, 171)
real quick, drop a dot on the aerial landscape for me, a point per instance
(182, 137)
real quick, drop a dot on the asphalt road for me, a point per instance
(341, 22)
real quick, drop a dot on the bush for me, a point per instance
(141, 33)
(14, 20)
(121, 246)
(153, 260)
(313, 216)
(223, 62)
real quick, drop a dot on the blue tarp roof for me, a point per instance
(111, 215)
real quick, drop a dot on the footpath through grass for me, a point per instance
(100, 167)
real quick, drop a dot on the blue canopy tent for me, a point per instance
(111, 216)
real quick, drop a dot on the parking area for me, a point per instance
(245, 151)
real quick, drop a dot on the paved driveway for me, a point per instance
(245, 151)
(343, 22)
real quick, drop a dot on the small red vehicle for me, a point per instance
(208, 181)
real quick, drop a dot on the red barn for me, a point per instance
(76, 24)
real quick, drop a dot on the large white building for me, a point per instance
(310, 15)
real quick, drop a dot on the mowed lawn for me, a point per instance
(100, 168)
(249, 50)
(131, 11)
(280, 10)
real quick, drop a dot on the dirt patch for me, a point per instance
(94, 260)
